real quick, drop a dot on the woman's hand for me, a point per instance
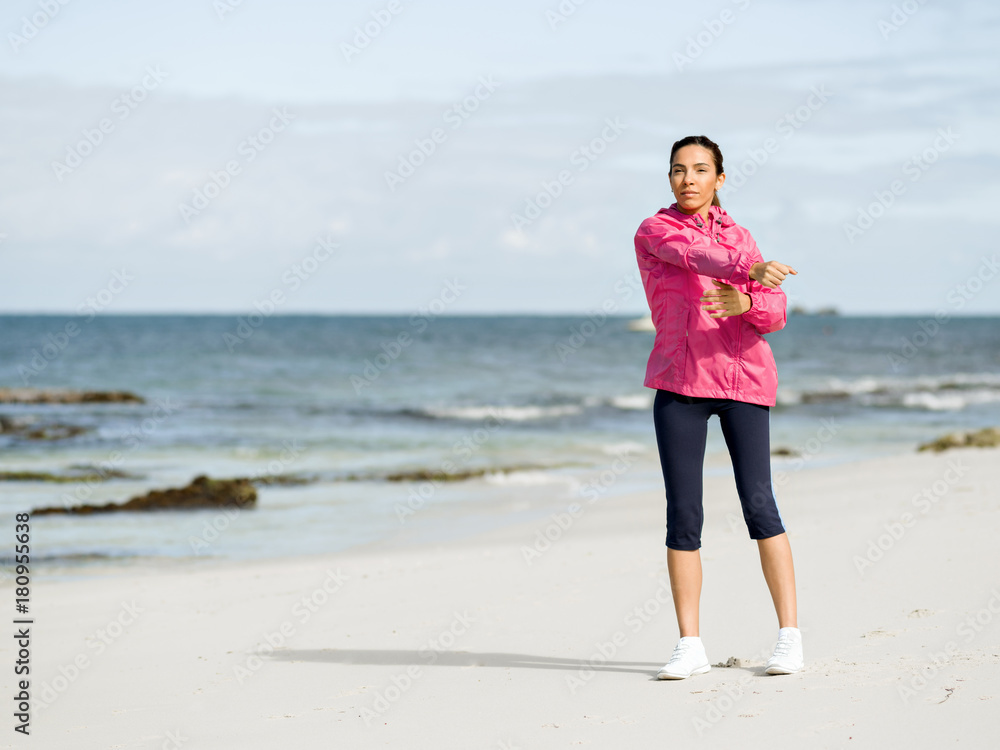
(727, 300)
(770, 274)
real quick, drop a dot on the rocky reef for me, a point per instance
(201, 493)
(32, 428)
(987, 437)
(65, 396)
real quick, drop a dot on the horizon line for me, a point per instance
(819, 313)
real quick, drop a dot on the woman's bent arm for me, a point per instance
(693, 251)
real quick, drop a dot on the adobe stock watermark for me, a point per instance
(581, 158)
(403, 682)
(292, 279)
(56, 342)
(696, 45)
(967, 630)
(785, 126)
(923, 501)
(99, 641)
(419, 321)
(223, 8)
(637, 618)
(122, 105)
(561, 522)
(302, 611)
(31, 26)
(915, 167)
(463, 450)
(216, 526)
(561, 13)
(899, 17)
(83, 490)
(249, 148)
(366, 34)
(456, 116)
(731, 695)
(172, 740)
(812, 447)
(958, 296)
(580, 334)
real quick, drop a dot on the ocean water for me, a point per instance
(548, 407)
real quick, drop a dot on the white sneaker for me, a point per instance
(687, 659)
(787, 657)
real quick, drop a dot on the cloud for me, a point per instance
(326, 171)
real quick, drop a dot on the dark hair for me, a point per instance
(704, 142)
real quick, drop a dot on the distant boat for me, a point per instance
(827, 311)
(644, 325)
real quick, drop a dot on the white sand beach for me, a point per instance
(466, 645)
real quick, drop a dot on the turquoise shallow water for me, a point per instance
(560, 397)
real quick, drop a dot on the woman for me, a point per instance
(712, 296)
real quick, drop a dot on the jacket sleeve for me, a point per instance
(767, 311)
(693, 251)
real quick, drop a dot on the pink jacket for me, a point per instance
(694, 354)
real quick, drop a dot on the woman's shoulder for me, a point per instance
(728, 222)
(665, 216)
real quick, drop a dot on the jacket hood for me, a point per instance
(714, 213)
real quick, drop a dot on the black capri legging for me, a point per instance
(681, 424)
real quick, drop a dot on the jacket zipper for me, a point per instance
(739, 328)
(709, 230)
(739, 354)
(717, 222)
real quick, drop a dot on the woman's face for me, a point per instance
(693, 179)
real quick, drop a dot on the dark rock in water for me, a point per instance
(440, 475)
(782, 451)
(104, 472)
(987, 437)
(424, 475)
(78, 473)
(286, 480)
(54, 431)
(62, 396)
(28, 428)
(823, 397)
(201, 493)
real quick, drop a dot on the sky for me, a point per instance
(392, 157)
